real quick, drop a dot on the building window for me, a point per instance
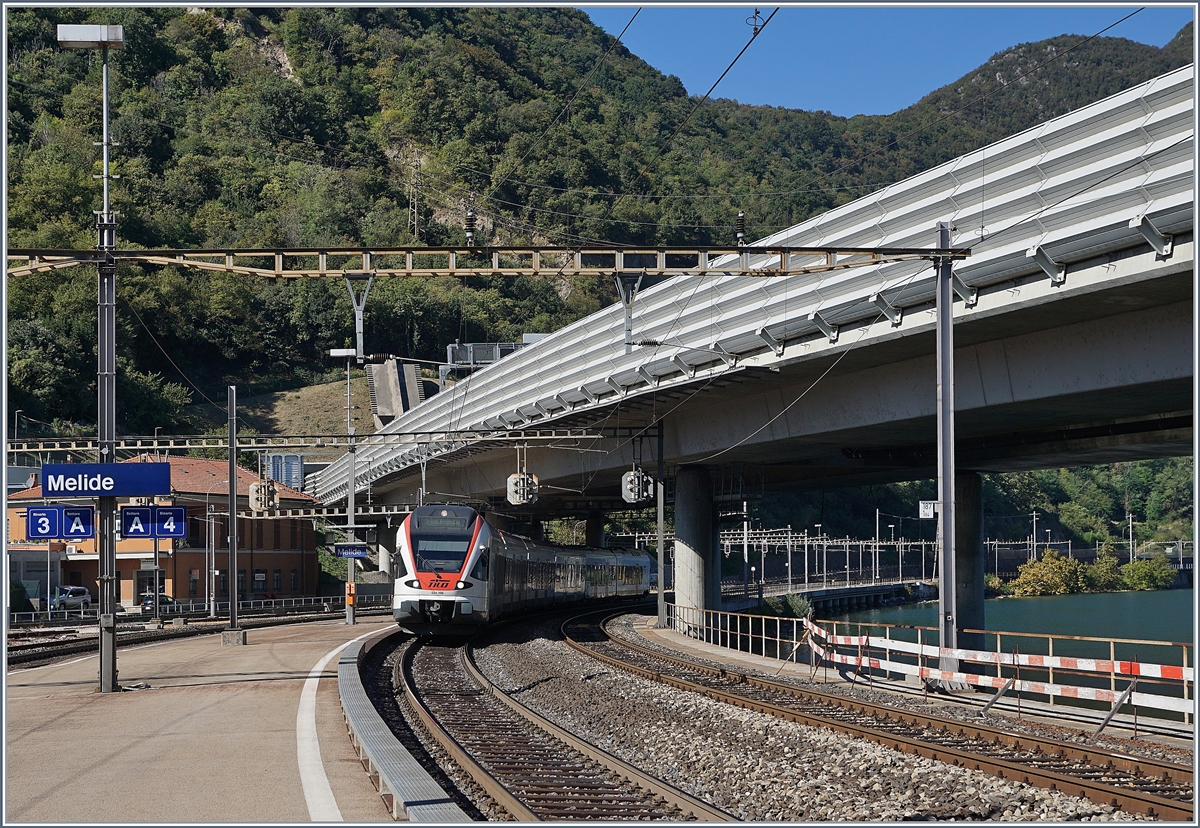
(241, 587)
(295, 580)
(224, 573)
(260, 581)
(277, 585)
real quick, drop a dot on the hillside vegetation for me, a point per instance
(274, 127)
(309, 126)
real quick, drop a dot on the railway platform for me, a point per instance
(200, 733)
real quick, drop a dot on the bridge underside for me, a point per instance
(1105, 377)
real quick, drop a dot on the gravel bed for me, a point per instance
(751, 765)
(626, 627)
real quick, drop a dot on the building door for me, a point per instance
(144, 584)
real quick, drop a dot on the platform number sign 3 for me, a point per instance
(43, 522)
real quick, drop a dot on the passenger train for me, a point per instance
(455, 573)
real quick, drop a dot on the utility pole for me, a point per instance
(660, 491)
(1033, 542)
(351, 521)
(875, 567)
(947, 610)
(233, 635)
(745, 549)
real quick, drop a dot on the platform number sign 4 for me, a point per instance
(170, 522)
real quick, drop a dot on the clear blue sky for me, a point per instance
(850, 61)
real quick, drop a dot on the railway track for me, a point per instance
(531, 767)
(1134, 784)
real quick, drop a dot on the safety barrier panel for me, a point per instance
(1105, 669)
(1146, 685)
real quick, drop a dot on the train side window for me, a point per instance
(480, 571)
(399, 570)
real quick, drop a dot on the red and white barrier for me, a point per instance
(1101, 667)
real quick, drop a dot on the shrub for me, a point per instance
(993, 586)
(1104, 574)
(798, 606)
(1052, 575)
(1152, 574)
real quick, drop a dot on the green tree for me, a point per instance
(1051, 575)
(1104, 573)
(1155, 573)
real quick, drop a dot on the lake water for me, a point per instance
(1165, 615)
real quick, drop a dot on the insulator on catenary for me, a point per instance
(470, 226)
(644, 343)
(740, 227)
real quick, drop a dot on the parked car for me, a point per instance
(164, 600)
(76, 597)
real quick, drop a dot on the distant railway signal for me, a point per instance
(522, 488)
(636, 486)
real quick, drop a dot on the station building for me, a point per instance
(277, 557)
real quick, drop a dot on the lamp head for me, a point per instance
(91, 37)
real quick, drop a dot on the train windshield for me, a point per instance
(441, 555)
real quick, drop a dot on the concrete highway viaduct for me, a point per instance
(1074, 344)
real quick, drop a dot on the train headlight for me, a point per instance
(413, 584)
(463, 585)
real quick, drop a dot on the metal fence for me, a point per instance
(184, 609)
(1156, 677)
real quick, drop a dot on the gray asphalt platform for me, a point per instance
(212, 737)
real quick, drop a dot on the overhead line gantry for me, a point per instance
(359, 262)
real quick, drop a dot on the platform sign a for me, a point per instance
(43, 522)
(78, 522)
(137, 522)
(170, 522)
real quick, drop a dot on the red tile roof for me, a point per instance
(199, 476)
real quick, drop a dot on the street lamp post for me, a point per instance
(351, 563)
(105, 38)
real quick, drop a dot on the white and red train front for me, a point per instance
(441, 570)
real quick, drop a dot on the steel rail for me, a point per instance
(681, 800)
(1125, 798)
(611, 803)
(458, 753)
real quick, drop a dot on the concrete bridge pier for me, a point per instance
(387, 542)
(968, 557)
(697, 568)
